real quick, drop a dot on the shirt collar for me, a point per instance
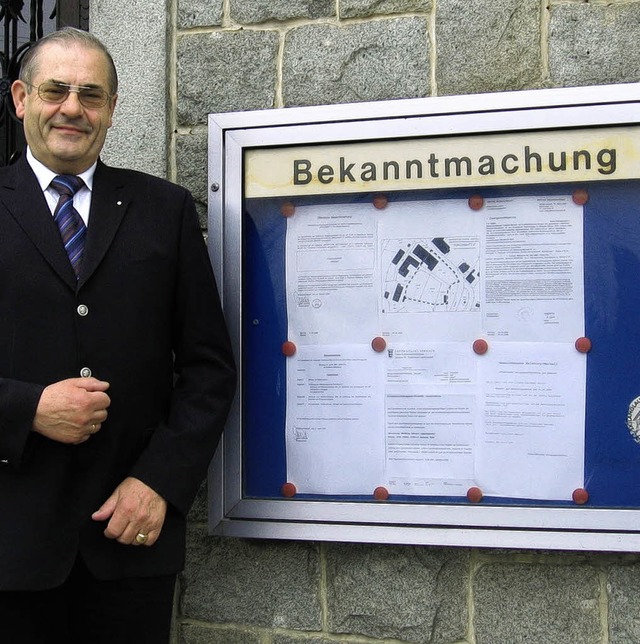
(45, 176)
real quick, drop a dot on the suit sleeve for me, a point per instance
(18, 404)
(176, 459)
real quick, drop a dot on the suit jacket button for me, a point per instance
(85, 372)
(83, 310)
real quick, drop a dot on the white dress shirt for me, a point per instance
(82, 198)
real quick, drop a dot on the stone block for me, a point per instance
(200, 634)
(255, 11)
(372, 61)
(523, 603)
(623, 590)
(199, 13)
(138, 138)
(192, 163)
(369, 8)
(251, 582)
(487, 46)
(306, 639)
(594, 44)
(224, 72)
(414, 594)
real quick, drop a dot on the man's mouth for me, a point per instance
(70, 128)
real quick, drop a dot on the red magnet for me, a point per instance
(381, 494)
(380, 202)
(474, 494)
(288, 490)
(480, 346)
(580, 196)
(378, 344)
(287, 209)
(580, 496)
(476, 202)
(583, 345)
(288, 348)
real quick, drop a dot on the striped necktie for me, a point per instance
(72, 228)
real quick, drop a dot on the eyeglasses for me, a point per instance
(91, 97)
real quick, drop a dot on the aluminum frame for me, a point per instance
(231, 514)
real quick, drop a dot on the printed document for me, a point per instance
(428, 415)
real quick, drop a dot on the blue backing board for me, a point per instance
(612, 318)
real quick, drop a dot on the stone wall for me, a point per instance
(180, 61)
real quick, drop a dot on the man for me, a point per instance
(116, 373)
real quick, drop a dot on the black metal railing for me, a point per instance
(22, 24)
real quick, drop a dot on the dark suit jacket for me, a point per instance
(154, 330)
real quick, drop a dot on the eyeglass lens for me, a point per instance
(58, 93)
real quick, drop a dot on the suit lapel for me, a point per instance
(21, 194)
(109, 202)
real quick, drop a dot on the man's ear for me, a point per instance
(112, 108)
(19, 93)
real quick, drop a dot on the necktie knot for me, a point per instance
(67, 184)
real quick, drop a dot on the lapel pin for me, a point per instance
(119, 203)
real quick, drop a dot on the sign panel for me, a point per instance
(433, 306)
(445, 162)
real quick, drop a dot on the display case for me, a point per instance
(434, 307)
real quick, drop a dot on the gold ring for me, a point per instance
(93, 428)
(141, 537)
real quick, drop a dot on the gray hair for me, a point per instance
(67, 36)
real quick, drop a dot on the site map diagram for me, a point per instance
(431, 275)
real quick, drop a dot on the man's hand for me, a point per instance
(134, 508)
(70, 411)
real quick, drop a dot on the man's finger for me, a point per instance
(106, 510)
(91, 384)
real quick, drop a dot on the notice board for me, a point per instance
(435, 309)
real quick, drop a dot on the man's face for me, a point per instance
(66, 137)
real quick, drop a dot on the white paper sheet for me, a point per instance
(430, 442)
(533, 269)
(335, 430)
(532, 442)
(331, 260)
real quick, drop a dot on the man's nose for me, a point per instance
(72, 104)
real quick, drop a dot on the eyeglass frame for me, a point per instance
(71, 88)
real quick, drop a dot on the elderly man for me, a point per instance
(116, 373)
